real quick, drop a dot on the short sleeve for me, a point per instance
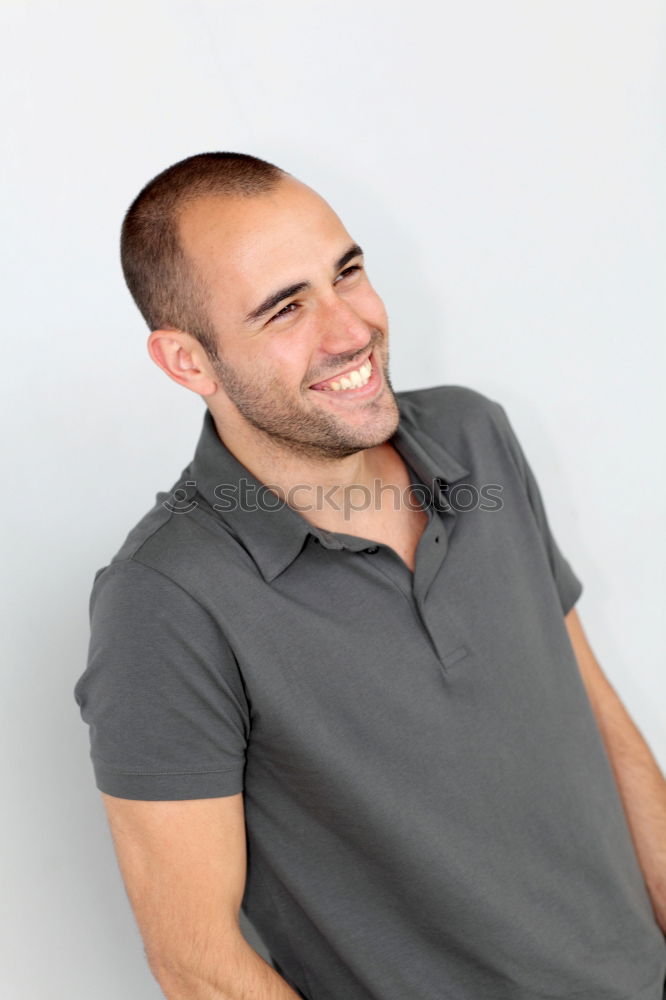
(569, 586)
(161, 693)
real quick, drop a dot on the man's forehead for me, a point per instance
(243, 238)
(237, 219)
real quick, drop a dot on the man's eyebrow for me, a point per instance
(286, 293)
(354, 251)
(275, 298)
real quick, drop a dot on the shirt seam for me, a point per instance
(134, 559)
(139, 771)
(143, 541)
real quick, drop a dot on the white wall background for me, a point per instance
(502, 165)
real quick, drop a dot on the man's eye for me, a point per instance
(293, 306)
(349, 271)
(284, 311)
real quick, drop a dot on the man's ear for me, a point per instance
(183, 359)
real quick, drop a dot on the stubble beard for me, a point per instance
(307, 431)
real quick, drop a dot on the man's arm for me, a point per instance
(184, 867)
(641, 784)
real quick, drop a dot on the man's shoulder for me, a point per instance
(170, 541)
(472, 427)
(454, 411)
(160, 523)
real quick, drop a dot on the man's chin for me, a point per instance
(350, 438)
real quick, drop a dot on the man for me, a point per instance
(374, 723)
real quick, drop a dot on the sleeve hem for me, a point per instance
(165, 786)
(569, 598)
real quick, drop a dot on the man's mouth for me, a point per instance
(353, 378)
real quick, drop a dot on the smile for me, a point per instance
(354, 379)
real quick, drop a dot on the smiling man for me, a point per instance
(336, 677)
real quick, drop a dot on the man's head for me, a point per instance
(165, 286)
(255, 294)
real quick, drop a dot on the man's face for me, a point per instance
(294, 312)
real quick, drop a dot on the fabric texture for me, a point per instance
(430, 809)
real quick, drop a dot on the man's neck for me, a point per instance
(330, 493)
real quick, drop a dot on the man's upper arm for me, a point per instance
(617, 728)
(597, 685)
(568, 585)
(169, 724)
(184, 868)
(162, 692)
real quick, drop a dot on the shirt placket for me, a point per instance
(432, 550)
(445, 637)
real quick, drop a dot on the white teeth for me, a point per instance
(353, 380)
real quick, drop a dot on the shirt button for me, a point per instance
(372, 549)
(436, 538)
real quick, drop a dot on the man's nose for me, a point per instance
(342, 330)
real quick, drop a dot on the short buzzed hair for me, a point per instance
(163, 282)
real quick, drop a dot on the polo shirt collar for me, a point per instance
(274, 537)
(429, 459)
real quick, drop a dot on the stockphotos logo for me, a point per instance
(251, 496)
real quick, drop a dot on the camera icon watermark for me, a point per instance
(181, 501)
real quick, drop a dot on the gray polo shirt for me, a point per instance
(430, 809)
